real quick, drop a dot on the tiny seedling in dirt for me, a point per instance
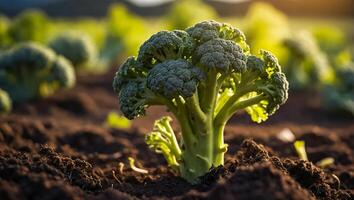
(5, 103)
(203, 75)
(135, 168)
(300, 148)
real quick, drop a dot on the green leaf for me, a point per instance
(300, 149)
(257, 112)
(114, 120)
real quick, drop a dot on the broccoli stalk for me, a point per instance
(203, 75)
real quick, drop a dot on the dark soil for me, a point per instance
(59, 148)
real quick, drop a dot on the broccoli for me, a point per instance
(203, 75)
(30, 70)
(266, 27)
(31, 25)
(330, 39)
(306, 64)
(338, 96)
(5, 102)
(125, 33)
(77, 48)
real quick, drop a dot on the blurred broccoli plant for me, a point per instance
(4, 37)
(125, 32)
(330, 39)
(31, 25)
(31, 70)
(93, 28)
(5, 103)
(203, 75)
(339, 95)
(185, 13)
(266, 28)
(306, 64)
(77, 47)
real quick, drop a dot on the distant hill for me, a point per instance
(98, 8)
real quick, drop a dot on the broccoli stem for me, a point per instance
(234, 98)
(219, 146)
(207, 151)
(227, 114)
(193, 104)
(202, 122)
(208, 148)
(210, 93)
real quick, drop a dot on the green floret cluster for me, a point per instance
(5, 103)
(203, 75)
(77, 48)
(30, 70)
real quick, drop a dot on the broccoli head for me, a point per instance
(5, 103)
(31, 70)
(203, 75)
(77, 48)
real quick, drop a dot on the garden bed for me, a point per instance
(59, 148)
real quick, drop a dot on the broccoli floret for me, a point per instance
(208, 30)
(5, 103)
(174, 78)
(203, 76)
(77, 48)
(220, 54)
(31, 70)
(133, 101)
(165, 45)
